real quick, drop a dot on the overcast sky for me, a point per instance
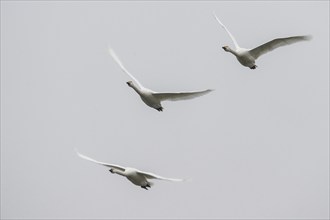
(256, 147)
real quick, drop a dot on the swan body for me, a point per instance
(151, 98)
(247, 57)
(137, 177)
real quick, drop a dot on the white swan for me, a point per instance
(137, 177)
(247, 57)
(152, 98)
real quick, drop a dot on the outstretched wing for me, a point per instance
(230, 35)
(279, 42)
(117, 60)
(101, 163)
(154, 176)
(176, 96)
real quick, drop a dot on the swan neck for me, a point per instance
(138, 90)
(232, 51)
(119, 172)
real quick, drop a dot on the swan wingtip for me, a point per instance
(186, 180)
(77, 152)
(309, 37)
(215, 16)
(110, 49)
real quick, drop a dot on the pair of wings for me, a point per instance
(162, 96)
(267, 47)
(114, 166)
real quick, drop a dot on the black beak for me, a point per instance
(127, 83)
(224, 48)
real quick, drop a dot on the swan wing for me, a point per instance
(101, 163)
(176, 96)
(117, 60)
(224, 27)
(279, 42)
(154, 176)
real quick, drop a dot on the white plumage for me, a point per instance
(247, 57)
(137, 177)
(152, 98)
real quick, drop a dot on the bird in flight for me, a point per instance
(151, 98)
(137, 177)
(247, 57)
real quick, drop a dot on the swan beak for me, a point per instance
(224, 48)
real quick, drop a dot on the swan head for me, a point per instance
(130, 83)
(226, 48)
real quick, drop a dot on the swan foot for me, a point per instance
(253, 67)
(148, 185)
(144, 187)
(160, 109)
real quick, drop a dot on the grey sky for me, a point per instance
(256, 147)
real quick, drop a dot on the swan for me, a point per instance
(151, 98)
(247, 57)
(137, 177)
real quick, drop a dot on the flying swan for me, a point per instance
(247, 57)
(137, 177)
(151, 98)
